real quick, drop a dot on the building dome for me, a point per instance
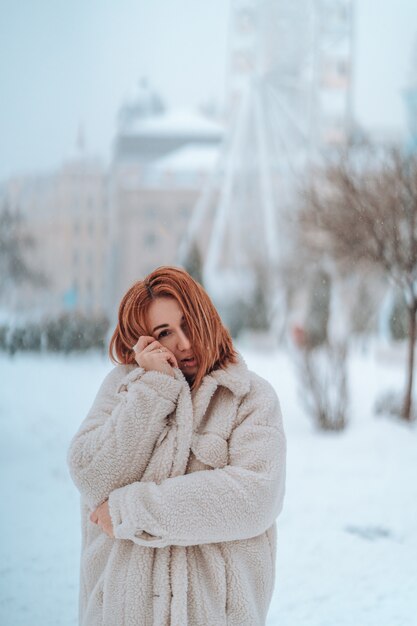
(142, 103)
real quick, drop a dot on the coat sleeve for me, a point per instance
(115, 441)
(236, 502)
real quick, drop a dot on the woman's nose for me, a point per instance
(183, 341)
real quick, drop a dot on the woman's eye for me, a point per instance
(162, 334)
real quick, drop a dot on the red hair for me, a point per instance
(211, 341)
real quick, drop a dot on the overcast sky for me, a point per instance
(65, 62)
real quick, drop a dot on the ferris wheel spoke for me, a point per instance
(295, 123)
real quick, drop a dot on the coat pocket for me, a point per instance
(210, 449)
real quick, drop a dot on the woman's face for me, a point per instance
(169, 327)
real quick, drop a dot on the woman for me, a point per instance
(180, 463)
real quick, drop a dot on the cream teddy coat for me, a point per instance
(195, 482)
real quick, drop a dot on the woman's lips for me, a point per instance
(189, 363)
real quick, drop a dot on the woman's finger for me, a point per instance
(152, 346)
(171, 359)
(167, 354)
(142, 342)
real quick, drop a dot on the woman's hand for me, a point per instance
(101, 516)
(151, 355)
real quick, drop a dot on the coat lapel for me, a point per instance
(235, 378)
(191, 407)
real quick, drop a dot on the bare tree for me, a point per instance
(14, 246)
(362, 209)
(324, 386)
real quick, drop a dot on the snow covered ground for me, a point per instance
(347, 537)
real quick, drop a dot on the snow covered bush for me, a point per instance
(323, 384)
(3, 337)
(75, 332)
(23, 338)
(65, 333)
(247, 313)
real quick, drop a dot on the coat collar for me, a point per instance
(235, 377)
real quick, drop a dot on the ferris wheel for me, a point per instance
(289, 87)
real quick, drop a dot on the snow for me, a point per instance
(347, 536)
(177, 122)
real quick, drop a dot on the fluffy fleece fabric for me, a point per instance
(195, 482)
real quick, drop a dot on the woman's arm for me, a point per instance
(238, 501)
(115, 441)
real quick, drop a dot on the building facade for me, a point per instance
(97, 229)
(66, 215)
